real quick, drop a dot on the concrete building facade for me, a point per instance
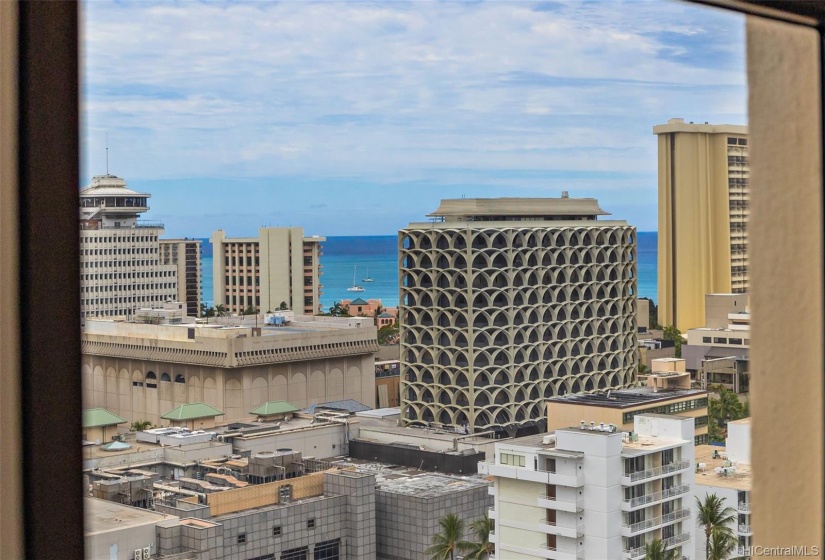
(120, 261)
(704, 204)
(186, 255)
(594, 492)
(505, 302)
(142, 371)
(278, 266)
(621, 407)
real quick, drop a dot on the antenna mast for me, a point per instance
(107, 153)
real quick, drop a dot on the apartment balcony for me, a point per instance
(646, 474)
(633, 553)
(650, 499)
(565, 530)
(744, 507)
(745, 530)
(630, 530)
(561, 504)
(520, 473)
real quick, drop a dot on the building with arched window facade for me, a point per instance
(506, 302)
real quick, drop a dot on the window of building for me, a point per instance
(311, 523)
(512, 459)
(328, 550)
(295, 553)
(276, 531)
(720, 340)
(706, 339)
(241, 538)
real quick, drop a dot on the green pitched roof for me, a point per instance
(358, 301)
(96, 417)
(275, 407)
(192, 411)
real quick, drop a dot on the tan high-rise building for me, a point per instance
(278, 266)
(185, 254)
(703, 214)
(120, 268)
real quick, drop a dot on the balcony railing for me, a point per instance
(744, 507)
(656, 521)
(656, 496)
(658, 471)
(677, 539)
(745, 529)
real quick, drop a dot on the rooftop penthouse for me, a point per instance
(231, 342)
(517, 209)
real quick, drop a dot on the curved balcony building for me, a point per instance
(506, 302)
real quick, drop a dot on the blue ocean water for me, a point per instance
(348, 257)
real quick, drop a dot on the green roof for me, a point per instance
(96, 417)
(274, 407)
(192, 411)
(358, 301)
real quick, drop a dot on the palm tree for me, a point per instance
(448, 541)
(715, 518)
(482, 548)
(220, 310)
(657, 550)
(721, 545)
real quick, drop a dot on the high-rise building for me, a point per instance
(508, 301)
(279, 266)
(703, 214)
(186, 255)
(593, 491)
(120, 267)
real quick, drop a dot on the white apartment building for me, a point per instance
(592, 491)
(120, 268)
(508, 301)
(726, 472)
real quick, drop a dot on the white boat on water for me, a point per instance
(355, 287)
(367, 278)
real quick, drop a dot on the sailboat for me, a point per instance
(355, 287)
(367, 277)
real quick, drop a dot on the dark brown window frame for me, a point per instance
(48, 144)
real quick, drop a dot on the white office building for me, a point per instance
(592, 491)
(120, 268)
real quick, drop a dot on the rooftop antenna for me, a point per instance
(107, 153)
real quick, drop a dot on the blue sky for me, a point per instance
(356, 118)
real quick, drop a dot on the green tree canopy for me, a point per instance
(449, 540)
(716, 520)
(672, 333)
(657, 550)
(481, 548)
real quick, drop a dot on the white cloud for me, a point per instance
(398, 89)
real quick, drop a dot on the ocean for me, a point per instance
(348, 257)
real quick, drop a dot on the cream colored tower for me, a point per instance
(703, 213)
(280, 265)
(507, 301)
(120, 267)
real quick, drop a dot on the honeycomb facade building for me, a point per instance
(506, 302)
